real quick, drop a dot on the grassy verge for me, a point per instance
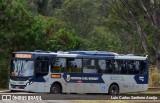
(146, 92)
(154, 77)
(115, 101)
(3, 89)
(100, 101)
(122, 101)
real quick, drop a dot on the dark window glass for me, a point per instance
(121, 66)
(109, 66)
(102, 66)
(133, 67)
(42, 66)
(142, 67)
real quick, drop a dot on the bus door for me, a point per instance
(70, 85)
(73, 76)
(42, 69)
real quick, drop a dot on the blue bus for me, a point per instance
(78, 72)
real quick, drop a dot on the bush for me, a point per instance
(154, 77)
(4, 76)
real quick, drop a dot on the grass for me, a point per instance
(146, 92)
(154, 77)
(114, 101)
(122, 101)
(100, 101)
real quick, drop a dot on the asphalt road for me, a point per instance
(43, 96)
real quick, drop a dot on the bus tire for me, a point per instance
(12, 91)
(113, 89)
(55, 89)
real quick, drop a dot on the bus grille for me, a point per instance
(19, 78)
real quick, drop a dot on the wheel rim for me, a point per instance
(55, 90)
(114, 90)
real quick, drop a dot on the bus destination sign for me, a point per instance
(23, 55)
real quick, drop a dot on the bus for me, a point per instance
(78, 72)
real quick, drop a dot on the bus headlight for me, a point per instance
(29, 83)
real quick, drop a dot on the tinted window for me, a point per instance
(133, 67)
(142, 67)
(122, 66)
(42, 66)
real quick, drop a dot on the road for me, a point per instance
(61, 98)
(45, 96)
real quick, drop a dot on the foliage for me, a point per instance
(154, 77)
(139, 20)
(64, 40)
(20, 30)
(78, 15)
(100, 36)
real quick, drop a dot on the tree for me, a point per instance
(141, 16)
(64, 40)
(78, 15)
(102, 39)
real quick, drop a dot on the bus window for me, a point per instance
(142, 67)
(42, 67)
(133, 67)
(102, 66)
(108, 66)
(136, 67)
(58, 65)
(90, 66)
(74, 65)
(123, 67)
(115, 66)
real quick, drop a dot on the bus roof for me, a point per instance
(100, 55)
(86, 54)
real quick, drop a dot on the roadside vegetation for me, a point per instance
(154, 77)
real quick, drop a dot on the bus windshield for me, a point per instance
(22, 68)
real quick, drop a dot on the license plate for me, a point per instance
(17, 87)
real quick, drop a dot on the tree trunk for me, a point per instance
(156, 58)
(142, 37)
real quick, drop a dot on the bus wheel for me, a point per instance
(55, 89)
(113, 90)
